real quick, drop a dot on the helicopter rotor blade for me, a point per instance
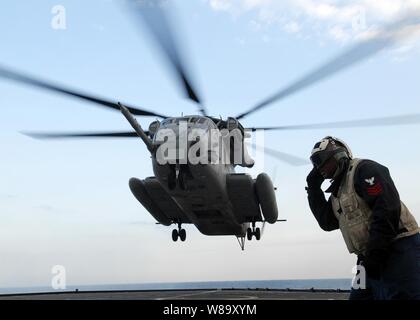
(263, 228)
(157, 21)
(282, 156)
(372, 122)
(12, 75)
(72, 135)
(359, 52)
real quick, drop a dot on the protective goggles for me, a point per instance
(318, 159)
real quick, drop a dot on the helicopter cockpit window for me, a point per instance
(167, 121)
(202, 120)
(172, 121)
(194, 120)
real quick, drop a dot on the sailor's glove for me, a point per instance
(374, 263)
(314, 180)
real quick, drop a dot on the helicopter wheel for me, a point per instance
(182, 234)
(175, 235)
(257, 233)
(249, 234)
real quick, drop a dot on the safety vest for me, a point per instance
(354, 214)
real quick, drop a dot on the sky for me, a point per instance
(68, 202)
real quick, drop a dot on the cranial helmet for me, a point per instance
(327, 148)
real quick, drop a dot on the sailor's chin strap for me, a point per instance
(342, 164)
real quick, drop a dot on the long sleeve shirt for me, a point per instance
(373, 183)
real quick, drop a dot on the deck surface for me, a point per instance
(209, 294)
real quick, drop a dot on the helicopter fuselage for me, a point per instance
(201, 192)
(195, 179)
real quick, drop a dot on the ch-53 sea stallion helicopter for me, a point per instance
(211, 195)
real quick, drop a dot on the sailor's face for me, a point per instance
(328, 169)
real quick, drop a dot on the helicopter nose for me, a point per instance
(174, 145)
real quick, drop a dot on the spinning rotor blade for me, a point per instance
(153, 14)
(282, 156)
(70, 135)
(361, 51)
(372, 122)
(263, 228)
(34, 82)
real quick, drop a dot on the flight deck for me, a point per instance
(195, 294)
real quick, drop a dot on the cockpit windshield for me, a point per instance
(193, 120)
(170, 121)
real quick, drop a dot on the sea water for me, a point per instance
(342, 284)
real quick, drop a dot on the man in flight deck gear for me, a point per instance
(365, 205)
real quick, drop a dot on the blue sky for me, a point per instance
(68, 203)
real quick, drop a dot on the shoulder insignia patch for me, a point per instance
(370, 181)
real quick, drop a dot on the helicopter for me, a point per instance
(210, 193)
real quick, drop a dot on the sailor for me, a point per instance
(376, 225)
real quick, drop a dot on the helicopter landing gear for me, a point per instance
(175, 235)
(180, 233)
(253, 232)
(257, 233)
(249, 234)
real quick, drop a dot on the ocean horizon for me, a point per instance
(342, 284)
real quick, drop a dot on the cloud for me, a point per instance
(338, 33)
(221, 5)
(237, 5)
(292, 27)
(332, 20)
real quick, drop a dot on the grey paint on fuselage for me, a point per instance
(205, 200)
